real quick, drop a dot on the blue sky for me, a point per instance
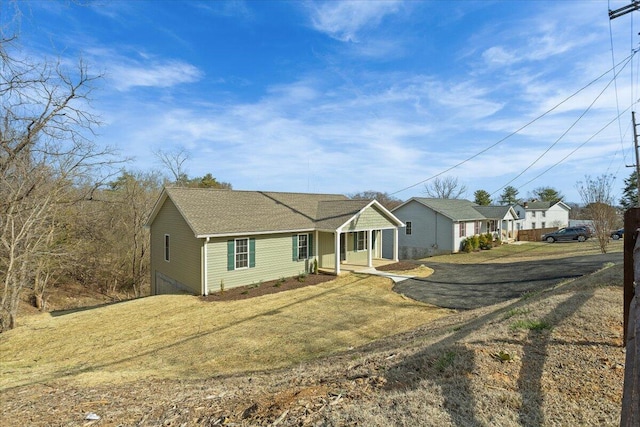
(342, 97)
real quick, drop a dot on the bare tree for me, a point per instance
(446, 188)
(385, 199)
(45, 152)
(598, 200)
(174, 161)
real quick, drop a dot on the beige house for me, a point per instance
(202, 239)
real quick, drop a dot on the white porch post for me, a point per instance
(369, 252)
(395, 244)
(337, 250)
(316, 245)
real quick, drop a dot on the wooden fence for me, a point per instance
(534, 235)
(630, 416)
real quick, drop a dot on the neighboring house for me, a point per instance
(436, 226)
(536, 215)
(204, 239)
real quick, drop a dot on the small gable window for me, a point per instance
(166, 247)
(408, 230)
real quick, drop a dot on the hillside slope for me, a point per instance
(554, 358)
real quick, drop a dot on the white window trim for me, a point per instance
(363, 240)
(306, 236)
(236, 253)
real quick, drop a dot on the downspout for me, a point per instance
(205, 270)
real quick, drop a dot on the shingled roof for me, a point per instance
(462, 209)
(211, 212)
(456, 209)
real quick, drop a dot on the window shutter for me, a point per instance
(310, 243)
(231, 249)
(252, 253)
(355, 240)
(294, 245)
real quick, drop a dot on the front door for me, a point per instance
(343, 247)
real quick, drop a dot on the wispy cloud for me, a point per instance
(143, 70)
(345, 20)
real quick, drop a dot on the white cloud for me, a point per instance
(125, 76)
(345, 20)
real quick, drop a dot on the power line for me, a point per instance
(578, 147)
(626, 60)
(568, 129)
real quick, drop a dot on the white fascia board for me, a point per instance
(253, 233)
(389, 215)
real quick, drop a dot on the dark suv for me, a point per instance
(567, 234)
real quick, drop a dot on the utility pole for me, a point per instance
(630, 415)
(635, 143)
(613, 14)
(635, 5)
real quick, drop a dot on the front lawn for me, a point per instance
(172, 336)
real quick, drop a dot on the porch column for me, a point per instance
(316, 245)
(369, 252)
(395, 244)
(337, 251)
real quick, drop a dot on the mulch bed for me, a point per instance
(275, 286)
(271, 287)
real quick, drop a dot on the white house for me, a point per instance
(534, 215)
(436, 226)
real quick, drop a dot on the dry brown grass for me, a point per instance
(184, 337)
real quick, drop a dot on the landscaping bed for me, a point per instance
(270, 287)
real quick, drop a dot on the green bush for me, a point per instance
(485, 241)
(475, 242)
(467, 246)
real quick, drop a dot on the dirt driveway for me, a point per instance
(469, 286)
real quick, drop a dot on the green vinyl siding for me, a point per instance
(272, 258)
(326, 249)
(371, 218)
(184, 264)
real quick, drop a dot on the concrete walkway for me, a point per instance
(395, 277)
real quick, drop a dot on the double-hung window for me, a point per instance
(361, 244)
(476, 227)
(463, 229)
(303, 246)
(242, 253)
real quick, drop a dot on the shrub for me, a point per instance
(467, 246)
(475, 242)
(485, 241)
(301, 277)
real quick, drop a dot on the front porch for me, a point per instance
(358, 268)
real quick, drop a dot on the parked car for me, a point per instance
(618, 234)
(567, 234)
